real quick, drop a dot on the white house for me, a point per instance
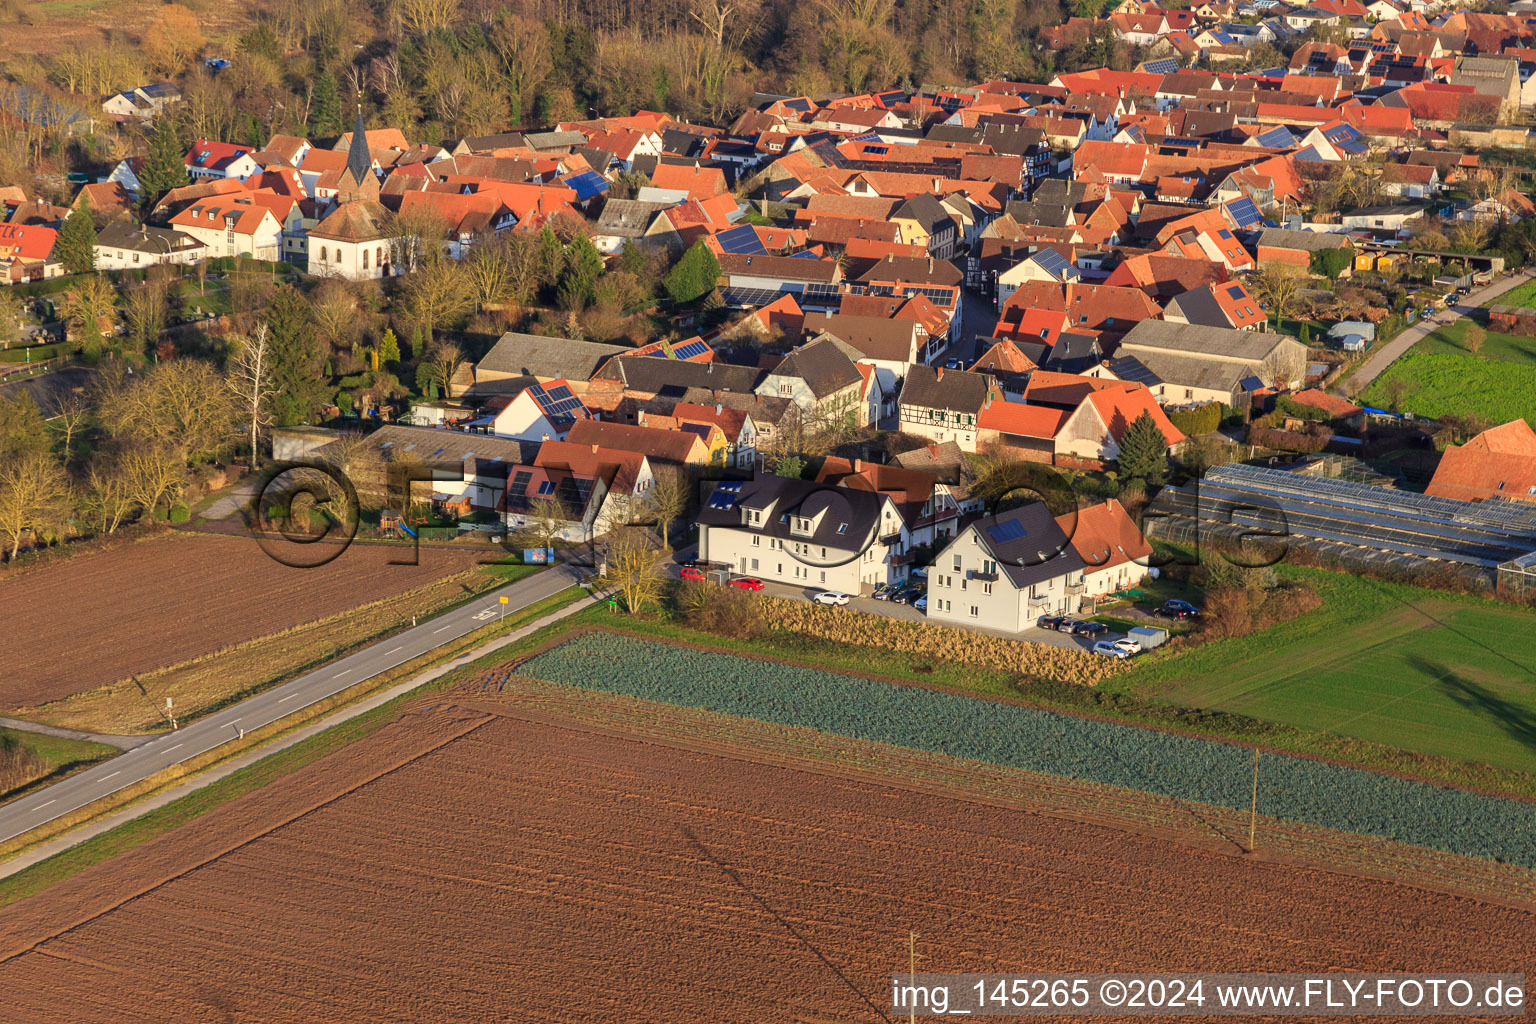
(232, 226)
(540, 412)
(208, 160)
(122, 245)
(1003, 572)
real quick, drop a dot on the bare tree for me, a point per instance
(250, 378)
(636, 567)
(714, 15)
(152, 473)
(10, 318)
(33, 493)
(1278, 287)
(108, 499)
(544, 521)
(1473, 337)
(437, 293)
(440, 365)
(145, 310)
(73, 413)
(669, 498)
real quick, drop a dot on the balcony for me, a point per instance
(1076, 588)
(978, 574)
(1043, 601)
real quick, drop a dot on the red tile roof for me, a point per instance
(1498, 463)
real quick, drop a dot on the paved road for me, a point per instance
(1389, 353)
(203, 735)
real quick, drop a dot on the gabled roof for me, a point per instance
(677, 447)
(1104, 536)
(1498, 463)
(533, 355)
(1027, 544)
(956, 390)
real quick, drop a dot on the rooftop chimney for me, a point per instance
(594, 449)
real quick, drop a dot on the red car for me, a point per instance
(688, 572)
(747, 583)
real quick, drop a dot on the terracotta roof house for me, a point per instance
(1224, 305)
(1499, 463)
(678, 448)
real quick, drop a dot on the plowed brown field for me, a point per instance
(475, 863)
(85, 622)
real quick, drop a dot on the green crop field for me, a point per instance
(1415, 669)
(1179, 766)
(1443, 383)
(1520, 295)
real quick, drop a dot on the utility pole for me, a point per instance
(1253, 810)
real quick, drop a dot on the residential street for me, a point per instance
(171, 748)
(1389, 353)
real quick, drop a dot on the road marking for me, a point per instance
(169, 749)
(112, 776)
(392, 650)
(343, 672)
(53, 801)
(287, 698)
(439, 630)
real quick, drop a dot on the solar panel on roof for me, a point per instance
(1002, 533)
(1245, 212)
(690, 350)
(546, 487)
(741, 241)
(806, 255)
(1235, 291)
(560, 391)
(1162, 66)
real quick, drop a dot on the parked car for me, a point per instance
(882, 592)
(913, 596)
(1173, 608)
(1049, 621)
(747, 583)
(1450, 299)
(919, 572)
(921, 604)
(1068, 625)
(954, 364)
(831, 597)
(1110, 650)
(1127, 644)
(1090, 629)
(689, 572)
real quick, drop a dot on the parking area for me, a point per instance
(896, 610)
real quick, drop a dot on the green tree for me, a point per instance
(694, 275)
(389, 349)
(325, 107)
(550, 257)
(165, 166)
(76, 244)
(23, 429)
(298, 358)
(1144, 451)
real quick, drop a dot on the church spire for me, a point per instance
(359, 160)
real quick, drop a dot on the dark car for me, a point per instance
(1068, 625)
(1050, 621)
(911, 596)
(1176, 609)
(1090, 629)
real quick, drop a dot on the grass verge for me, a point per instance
(30, 759)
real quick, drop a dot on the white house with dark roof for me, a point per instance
(804, 534)
(1004, 571)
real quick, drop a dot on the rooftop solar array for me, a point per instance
(692, 350)
(1276, 138)
(1003, 533)
(587, 184)
(726, 494)
(1245, 212)
(741, 241)
(558, 403)
(1163, 66)
(1051, 261)
(1234, 291)
(749, 296)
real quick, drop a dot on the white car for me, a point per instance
(1128, 645)
(832, 597)
(921, 604)
(1110, 649)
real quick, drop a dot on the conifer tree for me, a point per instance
(1144, 451)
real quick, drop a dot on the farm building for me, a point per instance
(1519, 320)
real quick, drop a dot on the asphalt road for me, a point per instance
(198, 737)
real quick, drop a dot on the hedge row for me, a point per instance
(1181, 767)
(844, 626)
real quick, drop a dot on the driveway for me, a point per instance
(1410, 336)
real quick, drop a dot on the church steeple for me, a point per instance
(358, 181)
